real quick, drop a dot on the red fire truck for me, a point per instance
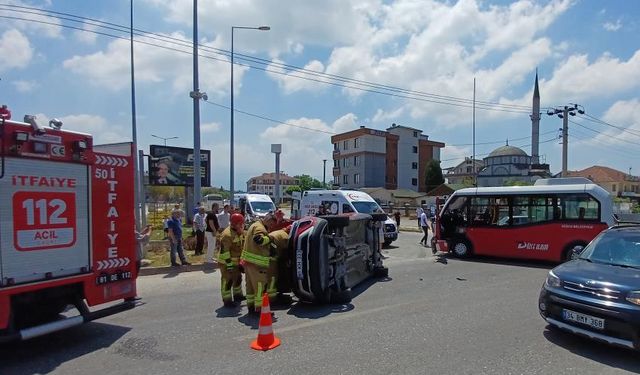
(66, 229)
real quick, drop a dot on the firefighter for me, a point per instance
(278, 282)
(231, 244)
(255, 260)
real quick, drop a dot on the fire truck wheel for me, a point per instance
(341, 297)
(336, 221)
(461, 248)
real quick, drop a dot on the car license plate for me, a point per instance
(589, 320)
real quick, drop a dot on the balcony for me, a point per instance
(336, 172)
(336, 153)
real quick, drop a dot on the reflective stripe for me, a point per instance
(265, 330)
(266, 309)
(224, 256)
(256, 259)
(272, 290)
(258, 299)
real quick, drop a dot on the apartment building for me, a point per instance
(266, 184)
(393, 159)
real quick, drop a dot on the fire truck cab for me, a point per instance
(66, 228)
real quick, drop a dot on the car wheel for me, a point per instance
(341, 297)
(337, 221)
(387, 242)
(461, 248)
(381, 272)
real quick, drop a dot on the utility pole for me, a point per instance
(564, 113)
(324, 173)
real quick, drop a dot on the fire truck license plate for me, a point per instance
(112, 278)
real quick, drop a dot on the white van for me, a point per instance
(337, 202)
(254, 205)
(210, 199)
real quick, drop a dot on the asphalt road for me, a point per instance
(434, 315)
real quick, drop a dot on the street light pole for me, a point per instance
(164, 138)
(231, 166)
(324, 173)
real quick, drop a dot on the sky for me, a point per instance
(330, 66)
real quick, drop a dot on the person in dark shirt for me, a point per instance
(175, 238)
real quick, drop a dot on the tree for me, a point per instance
(307, 182)
(433, 175)
(293, 188)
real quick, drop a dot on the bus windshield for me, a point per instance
(367, 207)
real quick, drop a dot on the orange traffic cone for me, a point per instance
(266, 339)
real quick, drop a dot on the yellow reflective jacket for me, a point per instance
(231, 243)
(252, 252)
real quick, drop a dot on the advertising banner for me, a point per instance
(173, 166)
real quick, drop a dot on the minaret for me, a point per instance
(535, 124)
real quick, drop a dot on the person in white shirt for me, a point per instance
(223, 217)
(199, 226)
(419, 212)
(213, 228)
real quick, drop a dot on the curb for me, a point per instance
(147, 271)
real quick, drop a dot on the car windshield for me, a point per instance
(367, 207)
(262, 207)
(619, 248)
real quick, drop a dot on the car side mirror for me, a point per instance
(576, 251)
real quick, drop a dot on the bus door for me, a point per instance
(489, 216)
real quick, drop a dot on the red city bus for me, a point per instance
(543, 222)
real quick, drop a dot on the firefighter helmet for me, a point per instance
(236, 219)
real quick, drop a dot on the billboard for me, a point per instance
(173, 166)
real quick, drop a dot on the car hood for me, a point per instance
(581, 271)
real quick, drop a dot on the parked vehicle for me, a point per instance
(67, 230)
(254, 206)
(340, 202)
(597, 295)
(210, 199)
(331, 254)
(542, 222)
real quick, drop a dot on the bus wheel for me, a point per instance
(461, 248)
(567, 253)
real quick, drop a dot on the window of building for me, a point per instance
(469, 169)
(336, 163)
(356, 142)
(415, 149)
(356, 161)
(414, 165)
(414, 181)
(415, 134)
(336, 180)
(345, 179)
(613, 187)
(356, 178)
(345, 145)
(335, 147)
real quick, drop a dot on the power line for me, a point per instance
(355, 84)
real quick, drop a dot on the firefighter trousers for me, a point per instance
(231, 284)
(272, 278)
(256, 280)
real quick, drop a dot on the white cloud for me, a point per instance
(291, 81)
(612, 26)
(16, 50)
(386, 116)
(102, 130)
(86, 35)
(210, 127)
(25, 86)
(110, 68)
(32, 22)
